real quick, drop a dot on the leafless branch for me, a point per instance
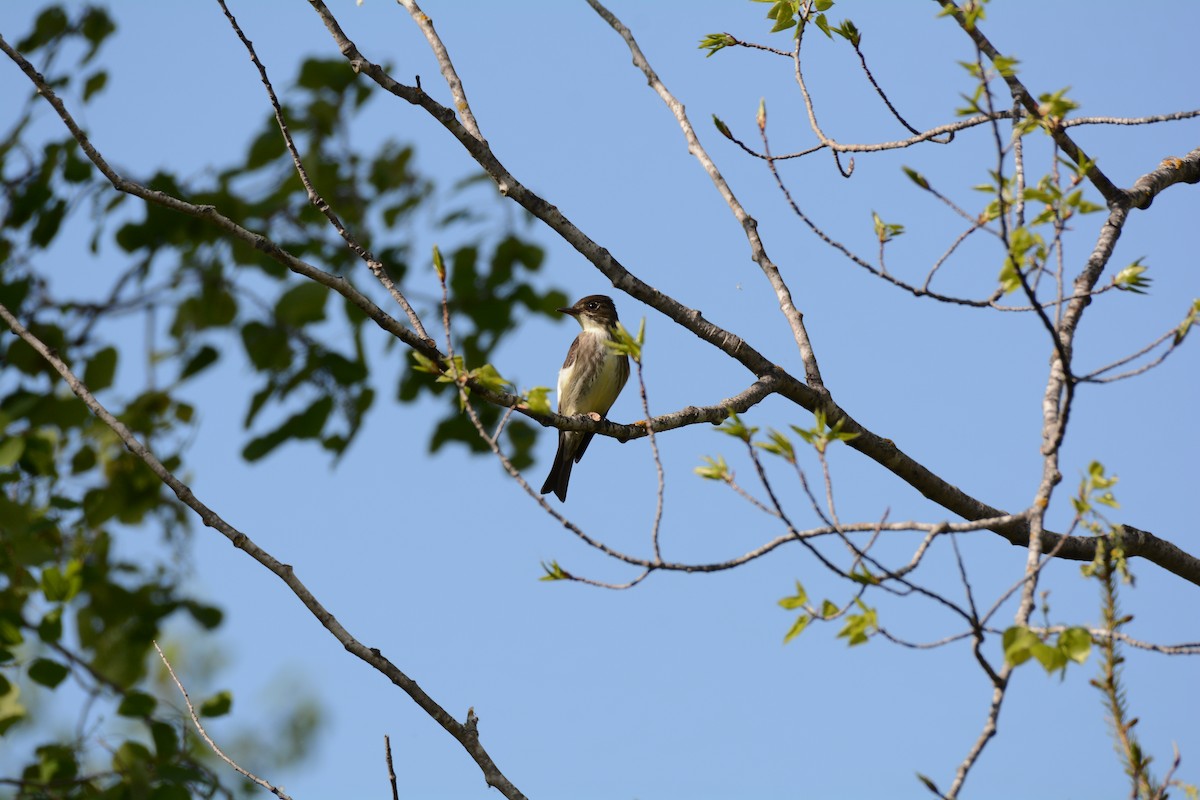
(270, 787)
(387, 749)
(445, 65)
(1094, 375)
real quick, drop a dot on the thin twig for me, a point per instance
(1094, 375)
(757, 250)
(245, 773)
(387, 749)
(375, 265)
(658, 466)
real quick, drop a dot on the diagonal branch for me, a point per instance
(245, 773)
(446, 65)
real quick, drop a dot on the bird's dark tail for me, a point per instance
(560, 472)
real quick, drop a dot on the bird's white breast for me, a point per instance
(583, 387)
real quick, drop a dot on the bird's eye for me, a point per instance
(593, 305)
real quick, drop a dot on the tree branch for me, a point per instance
(270, 787)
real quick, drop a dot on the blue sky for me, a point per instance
(681, 687)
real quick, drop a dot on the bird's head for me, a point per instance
(596, 311)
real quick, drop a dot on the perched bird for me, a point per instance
(589, 382)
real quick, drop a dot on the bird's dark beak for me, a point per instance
(574, 312)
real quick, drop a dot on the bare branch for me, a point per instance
(387, 748)
(275, 790)
(985, 735)
(1095, 375)
(446, 66)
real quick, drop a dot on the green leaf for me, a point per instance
(439, 264)
(205, 357)
(137, 704)
(885, 231)
(218, 705)
(325, 74)
(302, 304)
(538, 399)
(94, 83)
(778, 444)
(306, 424)
(425, 364)
(626, 344)
(1191, 319)
(1005, 65)
(51, 23)
(797, 600)
(267, 348)
(266, 147)
(859, 627)
(170, 791)
(735, 428)
(714, 42)
(1018, 642)
(1075, 643)
(100, 369)
(1051, 658)
(11, 449)
(916, 178)
(61, 586)
(48, 673)
(133, 760)
(722, 128)
(95, 26)
(166, 745)
(209, 617)
(50, 628)
(864, 576)
(553, 572)
(487, 377)
(714, 469)
(797, 628)
(1132, 278)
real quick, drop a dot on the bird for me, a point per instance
(590, 379)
